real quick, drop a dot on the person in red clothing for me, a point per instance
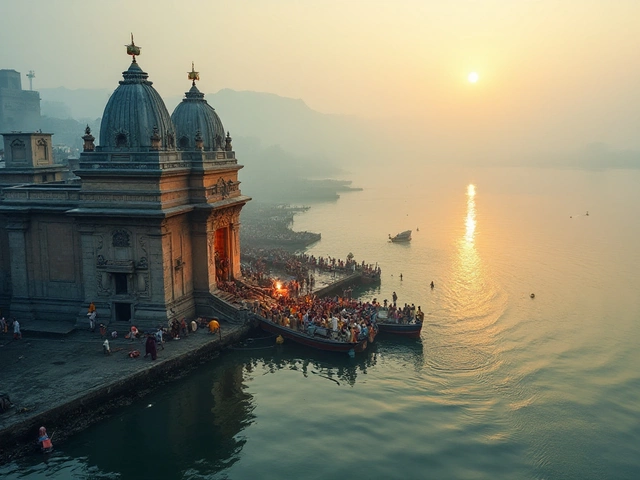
(44, 440)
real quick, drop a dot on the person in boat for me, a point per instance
(44, 440)
(343, 335)
(419, 315)
(364, 332)
(334, 324)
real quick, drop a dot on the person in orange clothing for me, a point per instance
(215, 326)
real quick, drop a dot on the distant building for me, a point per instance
(19, 109)
(146, 233)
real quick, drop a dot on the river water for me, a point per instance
(500, 385)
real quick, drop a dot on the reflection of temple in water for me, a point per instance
(197, 424)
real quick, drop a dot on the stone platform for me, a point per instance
(65, 382)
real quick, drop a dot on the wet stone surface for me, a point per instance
(67, 383)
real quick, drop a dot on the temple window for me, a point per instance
(18, 150)
(184, 142)
(121, 140)
(43, 151)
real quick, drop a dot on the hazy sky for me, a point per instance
(556, 73)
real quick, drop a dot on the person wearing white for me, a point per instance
(16, 330)
(92, 321)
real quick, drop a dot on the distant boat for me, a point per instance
(401, 237)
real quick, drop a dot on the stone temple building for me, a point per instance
(148, 230)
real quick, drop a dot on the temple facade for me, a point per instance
(146, 232)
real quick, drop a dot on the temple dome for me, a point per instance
(194, 115)
(134, 113)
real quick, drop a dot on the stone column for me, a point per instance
(20, 304)
(199, 256)
(211, 256)
(234, 247)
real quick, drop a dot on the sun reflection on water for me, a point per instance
(468, 260)
(470, 221)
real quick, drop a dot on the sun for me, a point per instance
(473, 77)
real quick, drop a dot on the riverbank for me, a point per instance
(269, 226)
(67, 383)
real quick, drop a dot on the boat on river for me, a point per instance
(320, 339)
(401, 237)
(388, 325)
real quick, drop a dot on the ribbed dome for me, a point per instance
(131, 114)
(194, 115)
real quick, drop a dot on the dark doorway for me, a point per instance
(123, 312)
(121, 283)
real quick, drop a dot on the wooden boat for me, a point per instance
(404, 329)
(321, 340)
(401, 237)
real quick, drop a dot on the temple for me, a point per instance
(145, 232)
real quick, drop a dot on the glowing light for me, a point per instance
(470, 221)
(278, 285)
(473, 77)
(471, 190)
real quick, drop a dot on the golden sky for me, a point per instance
(566, 71)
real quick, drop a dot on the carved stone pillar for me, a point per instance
(211, 257)
(234, 246)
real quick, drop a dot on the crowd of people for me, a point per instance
(301, 266)
(155, 337)
(335, 317)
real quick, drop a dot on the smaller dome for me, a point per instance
(194, 116)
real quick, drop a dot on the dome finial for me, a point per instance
(193, 75)
(133, 49)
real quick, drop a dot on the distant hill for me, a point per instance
(81, 104)
(272, 119)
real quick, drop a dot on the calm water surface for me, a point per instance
(499, 386)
